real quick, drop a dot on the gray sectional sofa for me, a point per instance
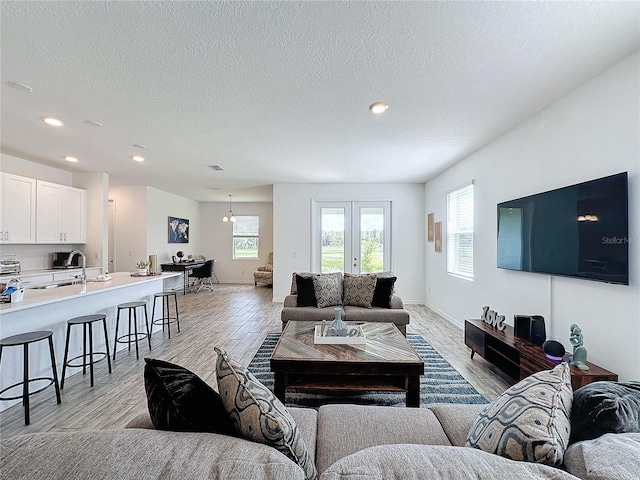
(349, 442)
(395, 314)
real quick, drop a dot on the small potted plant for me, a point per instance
(142, 266)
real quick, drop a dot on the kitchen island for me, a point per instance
(49, 309)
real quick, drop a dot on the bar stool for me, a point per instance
(133, 317)
(166, 319)
(25, 339)
(87, 324)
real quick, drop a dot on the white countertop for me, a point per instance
(35, 298)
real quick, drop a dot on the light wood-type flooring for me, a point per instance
(233, 317)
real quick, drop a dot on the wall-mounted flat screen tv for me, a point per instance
(577, 231)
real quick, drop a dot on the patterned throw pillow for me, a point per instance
(358, 289)
(180, 401)
(328, 287)
(529, 421)
(258, 415)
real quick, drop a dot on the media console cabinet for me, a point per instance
(518, 358)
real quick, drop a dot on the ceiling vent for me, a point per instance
(216, 167)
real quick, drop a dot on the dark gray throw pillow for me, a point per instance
(605, 407)
(306, 292)
(383, 292)
(180, 401)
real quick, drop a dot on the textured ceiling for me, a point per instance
(279, 91)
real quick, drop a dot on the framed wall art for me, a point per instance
(438, 236)
(430, 221)
(178, 230)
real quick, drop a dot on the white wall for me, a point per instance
(292, 230)
(162, 205)
(26, 168)
(97, 247)
(218, 241)
(130, 226)
(590, 133)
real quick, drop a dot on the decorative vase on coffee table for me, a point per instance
(337, 328)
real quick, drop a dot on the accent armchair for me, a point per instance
(264, 274)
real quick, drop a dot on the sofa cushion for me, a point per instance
(258, 415)
(530, 420)
(134, 454)
(346, 429)
(358, 289)
(383, 292)
(610, 456)
(328, 287)
(181, 401)
(306, 293)
(309, 314)
(605, 407)
(435, 462)
(456, 420)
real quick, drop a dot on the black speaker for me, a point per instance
(553, 350)
(521, 326)
(537, 333)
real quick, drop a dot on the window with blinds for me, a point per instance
(246, 231)
(460, 231)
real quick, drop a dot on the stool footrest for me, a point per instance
(86, 364)
(49, 379)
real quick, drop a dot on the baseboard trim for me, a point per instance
(450, 319)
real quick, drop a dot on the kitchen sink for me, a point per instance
(46, 286)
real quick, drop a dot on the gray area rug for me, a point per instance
(441, 383)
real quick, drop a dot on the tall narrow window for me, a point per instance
(460, 231)
(245, 237)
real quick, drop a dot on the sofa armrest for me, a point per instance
(396, 302)
(261, 269)
(291, 301)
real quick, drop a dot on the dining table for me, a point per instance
(185, 268)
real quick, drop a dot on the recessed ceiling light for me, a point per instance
(378, 107)
(20, 86)
(54, 122)
(91, 123)
(138, 158)
(71, 159)
(218, 168)
(137, 145)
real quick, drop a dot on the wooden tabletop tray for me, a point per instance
(360, 339)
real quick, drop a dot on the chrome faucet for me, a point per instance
(67, 262)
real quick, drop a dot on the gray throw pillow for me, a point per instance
(605, 407)
(529, 421)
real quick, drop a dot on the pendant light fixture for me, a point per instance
(229, 215)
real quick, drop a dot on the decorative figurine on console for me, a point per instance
(579, 358)
(493, 319)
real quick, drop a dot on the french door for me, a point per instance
(352, 237)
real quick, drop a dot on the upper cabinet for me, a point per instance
(17, 209)
(61, 214)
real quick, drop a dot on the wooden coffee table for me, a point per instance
(386, 363)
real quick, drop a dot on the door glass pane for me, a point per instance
(332, 244)
(371, 240)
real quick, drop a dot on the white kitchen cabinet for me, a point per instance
(17, 209)
(60, 214)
